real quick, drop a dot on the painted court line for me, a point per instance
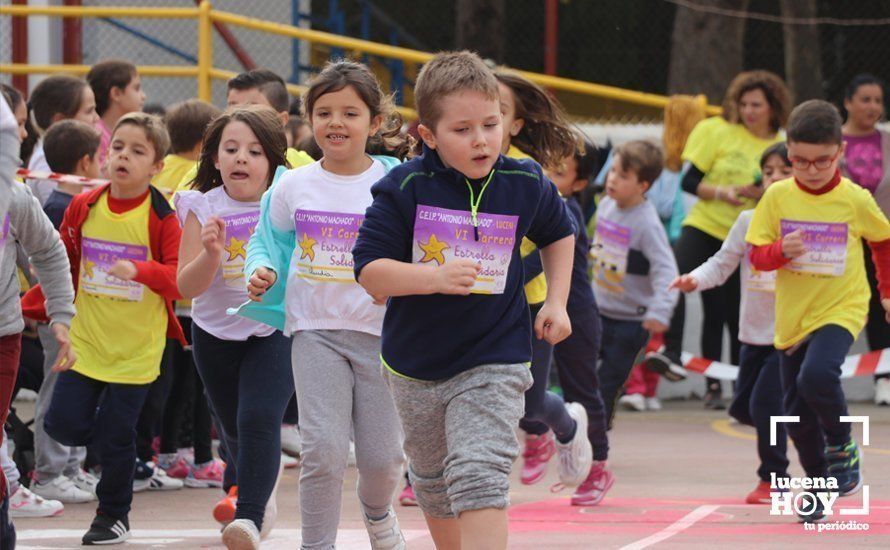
(678, 526)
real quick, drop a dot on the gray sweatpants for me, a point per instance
(460, 436)
(340, 389)
(52, 459)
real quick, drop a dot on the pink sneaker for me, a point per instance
(208, 475)
(538, 450)
(595, 487)
(407, 497)
(179, 469)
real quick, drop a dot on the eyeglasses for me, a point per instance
(820, 163)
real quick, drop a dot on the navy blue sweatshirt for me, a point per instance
(434, 337)
(581, 295)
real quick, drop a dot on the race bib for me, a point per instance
(97, 257)
(826, 245)
(611, 245)
(759, 281)
(324, 245)
(441, 234)
(239, 229)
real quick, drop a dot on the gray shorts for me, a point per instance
(460, 436)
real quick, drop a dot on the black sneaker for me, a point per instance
(714, 400)
(812, 510)
(665, 365)
(107, 530)
(843, 465)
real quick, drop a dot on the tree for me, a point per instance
(480, 27)
(803, 59)
(706, 49)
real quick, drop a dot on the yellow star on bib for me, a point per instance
(432, 250)
(236, 248)
(88, 268)
(308, 247)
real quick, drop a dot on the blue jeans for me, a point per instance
(622, 343)
(248, 384)
(73, 419)
(811, 381)
(758, 396)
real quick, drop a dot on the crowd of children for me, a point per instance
(277, 264)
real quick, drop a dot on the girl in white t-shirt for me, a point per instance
(335, 324)
(244, 364)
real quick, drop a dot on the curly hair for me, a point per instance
(772, 86)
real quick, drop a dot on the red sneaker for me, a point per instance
(538, 451)
(595, 487)
(760, 494)
(407, 497)
(224, 511)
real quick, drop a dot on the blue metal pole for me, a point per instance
(294, 43)
(151, 40)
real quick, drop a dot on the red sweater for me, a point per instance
(159, 274)
(769, 257)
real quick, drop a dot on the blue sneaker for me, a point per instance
(812, 510)
(843, 465)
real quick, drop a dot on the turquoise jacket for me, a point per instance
(272, 248)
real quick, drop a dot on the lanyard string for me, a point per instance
(474, 203)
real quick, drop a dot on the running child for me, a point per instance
(810, 229)
(758, 390)
(441, 239)
(317, 210)
(117, 87)
(632, 266)
(186, 123)
(123, 246)
(242, 363)
(537, 125)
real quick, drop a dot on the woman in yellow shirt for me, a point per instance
(722, 156)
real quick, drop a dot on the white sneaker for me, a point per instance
(385, 533)
(25, 504)
(241, 534)
(289, 462)
(159, 481)
(633, 401)
(576, 456)
(26, 396)
(271, 512)
(291, 442)
(882, 392)
(653, 404)
(86, 481)
(63, 489)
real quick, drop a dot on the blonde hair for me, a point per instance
(681, 114)
(154, 129)
(448, 73)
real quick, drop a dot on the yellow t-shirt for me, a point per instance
(536, 289)
(728, 155)
(175, 169)
(827, 285)
(120, 328)
(294, 157)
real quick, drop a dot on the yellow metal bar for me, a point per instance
(95, 11)
(205, 52)
(144, 70)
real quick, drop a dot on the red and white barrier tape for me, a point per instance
(61, 178)
(864, 364)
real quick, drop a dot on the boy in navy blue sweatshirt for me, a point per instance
(441, 241)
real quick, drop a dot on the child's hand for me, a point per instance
(456, 277)
(66, 357)
(684, 283)
(124, 270)
(552, 324)
(886, 304)
(654, 327)
(213, 236)
(260, 282)
(792, 245)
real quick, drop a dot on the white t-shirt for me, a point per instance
(229, 288)
(42, 189)
(9, 153)
(325, 210)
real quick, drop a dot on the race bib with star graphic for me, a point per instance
(97, 257)
(239, 229)
(324, 245)
(441, 235)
